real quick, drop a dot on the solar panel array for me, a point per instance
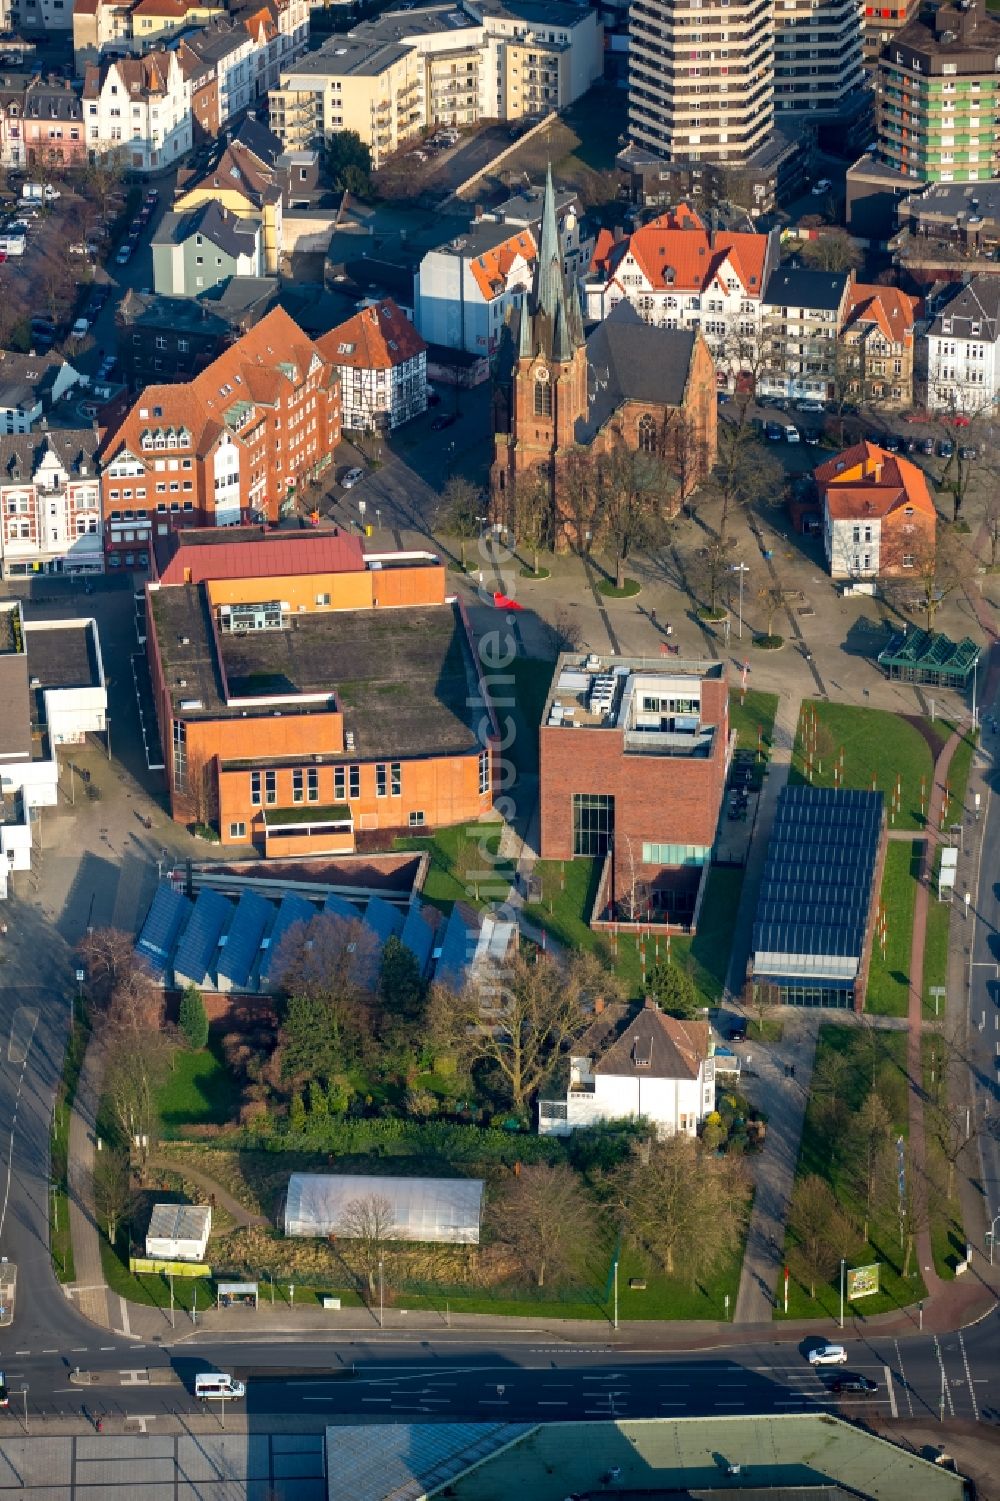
(816, 888)
(220, 943)
(167, 915)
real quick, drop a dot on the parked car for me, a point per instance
(823, 186)
(811, 435)
(722, 397)
(445, 420)
(4, 1396)
(124, 254)
(774, 432)
(855, 1384)
(945, 448)
(811, 406)
(152, 198)
(909, 445)
(927, 445)
(352, 478)
(968, 451)
(738, 1032)
(892, 443)
(39, 192)
(828, 1355)
(80, 329)
(791, 433)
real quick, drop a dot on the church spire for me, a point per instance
(549, 252)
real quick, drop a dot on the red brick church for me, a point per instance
(563, 394)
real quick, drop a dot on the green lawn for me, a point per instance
(753, 719)
(879, 1058)
(889, 977)
(464, 864)
(936, 943)
(199, 1090)
(153, 1289)
(876, 749)
(947, 1234)
(958, 775)
(60, 1242)
(568, 891)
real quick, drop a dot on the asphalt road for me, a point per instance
(984, 1002)
(517, 1378)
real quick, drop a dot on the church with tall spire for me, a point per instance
(556, 390)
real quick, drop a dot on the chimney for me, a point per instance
(599, 1005)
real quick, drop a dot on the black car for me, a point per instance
(445, 420)
(737, 1033)
(892, 443)
(968, 451)
(909, 445)
(855, 1384)
(811, 435)
(774, 432)
(927, 445)
(874, 437)
(945, 448)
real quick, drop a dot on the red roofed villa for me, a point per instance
(878, 517)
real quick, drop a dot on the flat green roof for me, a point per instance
(555, 1460)
(324, 813)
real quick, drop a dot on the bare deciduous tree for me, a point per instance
(112, 1190)
(368, 1223)
(822, 1232)
(685, 1207)
(546, 1218)
(519, 1021)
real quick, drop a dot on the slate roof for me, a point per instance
(656, 1046)
(977, 302)
(629, 360)
(222, 228)
(22, 453)
(791, 286)
(26, 378)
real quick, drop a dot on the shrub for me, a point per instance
(420, 1103)
(193, 1019)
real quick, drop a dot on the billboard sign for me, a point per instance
(862, 1281)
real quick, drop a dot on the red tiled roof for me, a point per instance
(490, 269)
(376, 338)
(270, 557)
(691, 259)
(866, 481)
(893, 311)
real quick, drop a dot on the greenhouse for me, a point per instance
(446, 1210)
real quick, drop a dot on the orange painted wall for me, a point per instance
(444, 788)
(398, 587)
(388, 587)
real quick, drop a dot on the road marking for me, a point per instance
(105, 1348)
(317, 1399)
(376, 1399)
(968, 1374)
(50, 1352)
(22, 1352)
(31, 1015)
(945, 1384)
(891, 1391)
(551, 1402)
(730, 1404)
(78, 1350)
(141, 1418)
(902, 1373)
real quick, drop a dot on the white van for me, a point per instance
(218, 1384)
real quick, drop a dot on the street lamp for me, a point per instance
(843, 1263)
(991, 1235)
(741, 569)
(381, 1301)
(24, 1394)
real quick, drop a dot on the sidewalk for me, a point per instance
(89, 1291)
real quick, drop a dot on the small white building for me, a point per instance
(179, 1232)
(381, 363)
(963, 351)
(636, 1064)
(30, 385)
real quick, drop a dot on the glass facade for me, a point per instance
(593, 822)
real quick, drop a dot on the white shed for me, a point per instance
(446, 1210)
(179, 1232)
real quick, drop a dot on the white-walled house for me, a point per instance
(381, 362)
(636, 1065)
(963, 358)
(140, 109)
(30, 384)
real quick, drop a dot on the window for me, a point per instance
(238, 830)
(354, 782)
(647, 434)
(312, 784)
(484, 771)
(543, 394)
(255, 789)
(416, 819)
(270, 787)
(340, 783)
(381, 779)
(396, 779)
(180, 756)
(593, 822)
(297, 786)
(907, 560)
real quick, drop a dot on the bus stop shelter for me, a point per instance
(229, 1294)
(926, 657)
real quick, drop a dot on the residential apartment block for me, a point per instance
(381, 363)
(963, 350)
(229, 445)
(139, 107)
(819, 74)
(803, 314)
(939, 96)
(677, 274)
(701, 78)
(632, 768)
(391, 78)
(50, 502)
(249, 179)
(882, 23)
(878, 517)
(878, 343)
(308, 695)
